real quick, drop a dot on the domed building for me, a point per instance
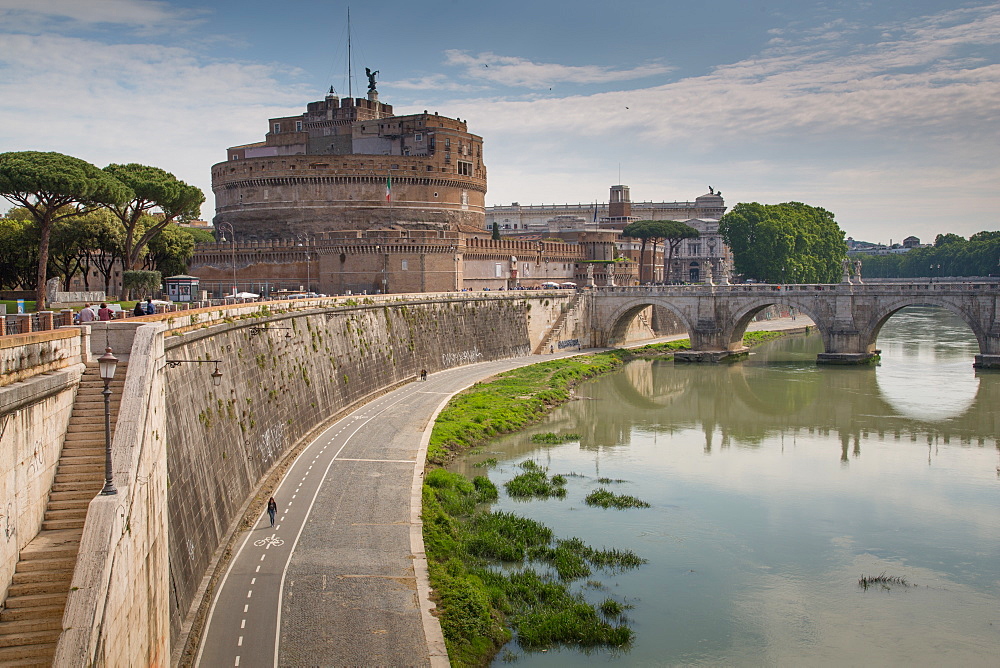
(351, 164)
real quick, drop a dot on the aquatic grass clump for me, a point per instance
(488, 463)
(615, 559)
(612, 608)
(486, 491)
(882, 580)
(546, 613)
(605, 499)
(569, 564)
(535, 483)
(478, 605)
(610, 481)
(504, 536)
(554, 439)
(573, 559)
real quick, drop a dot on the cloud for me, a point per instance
(144, 15)
(519, 72)
(920, 81)
(158, 105)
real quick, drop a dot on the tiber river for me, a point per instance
(775, 485)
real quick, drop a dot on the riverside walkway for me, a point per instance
(341, 579)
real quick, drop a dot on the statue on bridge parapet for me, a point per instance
(857, 272)
(846, 266)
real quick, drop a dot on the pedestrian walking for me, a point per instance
(272, 509)
(423, 374)
(104, 313)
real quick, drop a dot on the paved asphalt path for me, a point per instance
(334, 582)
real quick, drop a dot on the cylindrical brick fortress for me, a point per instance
(350, 164)
(282, 196)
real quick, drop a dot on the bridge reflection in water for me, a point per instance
(781, 391)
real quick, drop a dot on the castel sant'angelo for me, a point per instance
(348, 197)
(351, 164)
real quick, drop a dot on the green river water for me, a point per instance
(775, 485)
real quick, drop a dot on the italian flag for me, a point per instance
(388, 188)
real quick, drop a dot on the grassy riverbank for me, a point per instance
(480, 605)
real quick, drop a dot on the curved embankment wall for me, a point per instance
(279, 385)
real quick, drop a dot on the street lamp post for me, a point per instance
(107, 364)
(223, 240)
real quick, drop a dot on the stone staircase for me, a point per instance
(31, 617)
(557, 326)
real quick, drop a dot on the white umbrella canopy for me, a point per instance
(550, 285)
(245, 295)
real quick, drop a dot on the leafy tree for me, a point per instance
(640, 230)
(199, 235)
(46, 184)
(154, 191)
(951, 255)
(496, 231)
(673, 232)
(142, 282)
(105, 242)
(67, 248)
(945, 239)
(18, 250)
(790, 242)
(170, 251)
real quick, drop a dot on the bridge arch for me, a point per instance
(625, 313)
(745, 314)
(872, 328)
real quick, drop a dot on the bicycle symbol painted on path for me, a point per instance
(269, 541)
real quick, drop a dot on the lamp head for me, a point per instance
(107, 364)
(216, 376)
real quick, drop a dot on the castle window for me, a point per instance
(277, 128)
(405, 265)
(418, 137)
(298, 126)
(464, 168)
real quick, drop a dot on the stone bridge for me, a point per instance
(848, 316)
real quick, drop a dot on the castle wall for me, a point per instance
(279, 197)
(376, 261)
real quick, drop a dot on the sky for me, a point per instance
(886, 113)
